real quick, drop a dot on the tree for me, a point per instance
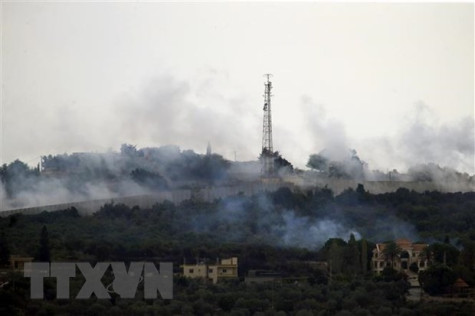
(336, 255)
(128, 150)
(317, 162)
(44, 251)
(336, 169)
(280, 163)
(436, 279)
(390, 274)
(467, 255)
(148, 179)
(391, 251)
(352, 256)
(17, 177)
(364, 255)
(445, 253)
(426, 254)
(4, 250)
(3, 173)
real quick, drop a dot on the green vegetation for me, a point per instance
(256, 230)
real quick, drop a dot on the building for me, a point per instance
(406, 254)
(17, 263)
(224, 269)
(460, 287)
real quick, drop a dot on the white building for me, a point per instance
(409, 254)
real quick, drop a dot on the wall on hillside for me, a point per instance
(247, 189)
(378, 187)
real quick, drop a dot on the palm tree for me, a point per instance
(426, 255)
(391, 251)
(44, 251)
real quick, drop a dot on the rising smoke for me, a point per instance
(89, 176)
(169, 111)
(421, 140)
(263, 219)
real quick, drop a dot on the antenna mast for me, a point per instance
(267, 147)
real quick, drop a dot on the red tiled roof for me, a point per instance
(404, 244)
(419, 247)
(403, 241)
(460, 283)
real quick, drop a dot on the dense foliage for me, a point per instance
(253, 229)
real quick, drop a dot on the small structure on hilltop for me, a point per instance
(402, 255)
(224, 269)
(209, 152)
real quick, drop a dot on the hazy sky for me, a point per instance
(393, 81)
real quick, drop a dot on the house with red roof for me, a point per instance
(401, 258)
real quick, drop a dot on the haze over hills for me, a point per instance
(360, 199)
(131, 171)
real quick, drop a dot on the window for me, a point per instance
(422, 264)
(404, 255)
(210, 270)
(190, 270)
(224, 271)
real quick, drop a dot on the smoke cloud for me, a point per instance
(421, 139)
(260, 220)
(170, 111)
(424, 140)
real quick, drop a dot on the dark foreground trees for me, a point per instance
(245, 227)
(437, 279)
(44, 251)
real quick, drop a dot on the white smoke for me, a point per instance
(421, 139)
(303, 232)
(3, 198)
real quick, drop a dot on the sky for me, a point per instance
(394, 81)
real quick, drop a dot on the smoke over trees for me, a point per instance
(132, 171)
(350, 167)
(17, 177)
(82, 176)
(281, 165)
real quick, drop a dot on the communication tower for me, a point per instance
(267, 154)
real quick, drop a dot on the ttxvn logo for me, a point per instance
(125, 282)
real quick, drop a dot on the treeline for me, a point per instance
(269, 219)
(357, 296)
(82, 176)
(150, 167)
(350, 166)
(130, 171)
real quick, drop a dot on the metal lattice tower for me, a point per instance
(267, 148)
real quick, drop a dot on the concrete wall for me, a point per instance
(378, 187)
(248, 189)
(147, 201)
